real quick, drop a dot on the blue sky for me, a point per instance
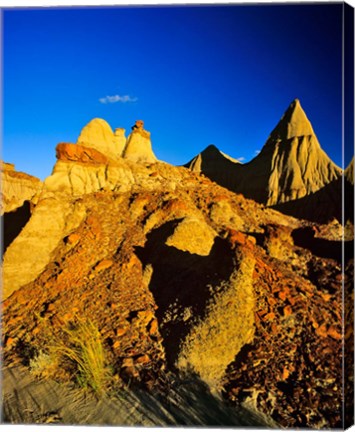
(196, 75)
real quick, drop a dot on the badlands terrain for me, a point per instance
(212, 293)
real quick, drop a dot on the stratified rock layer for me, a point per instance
(16, 187)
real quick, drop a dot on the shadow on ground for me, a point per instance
(182, 281)
(185, 403)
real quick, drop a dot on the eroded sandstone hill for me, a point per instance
(215, 165)
(179, 274)
(290, 166)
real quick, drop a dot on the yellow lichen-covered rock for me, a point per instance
(98, 134)
(192, 235)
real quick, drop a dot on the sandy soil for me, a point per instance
(27, 400)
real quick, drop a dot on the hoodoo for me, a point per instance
(97, 134)
(139, 146)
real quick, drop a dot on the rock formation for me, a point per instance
(19, 193)
(139, 147)
(216, 165)
(291, 164)
(334, 201)
(98, 134)
(16, 187)
(183, 276)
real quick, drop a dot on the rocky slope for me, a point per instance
(180, 276)
(290, 166)
(327, 203)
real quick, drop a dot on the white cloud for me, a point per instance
(257, 152)
(241, 159)
(117, 98)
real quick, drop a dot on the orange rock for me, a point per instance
(73, 238)
(285, 374)
(78, 153)
(10, 341)
(271, 301)
(237, 237)
(269, 317)
(145, 316)
(103, 265)
(261, 313)
(287, 310)
(144, 359)
(326, 297)
(153, 327)
(175, 204)
(322, 331)
(50, 308)
(252, 240)
(332, 332)
(274, 328)
(36, 330)
(116, 345)
(121, 331)
(282, 295)
(67, 317)
(293, 300)
(314, 323)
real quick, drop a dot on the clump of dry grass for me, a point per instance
(81, 350)
(84, 349)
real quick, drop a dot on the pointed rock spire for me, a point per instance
(294, 123)
(290, 165)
